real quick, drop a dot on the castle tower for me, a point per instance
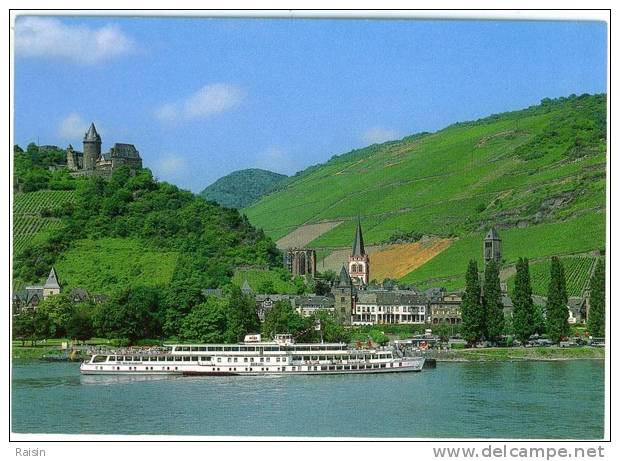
(72, 164)
(344, 297)
(51, 287)
(359, 264)
(492, 249)
(92, 147)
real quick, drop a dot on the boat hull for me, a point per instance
(200, 370)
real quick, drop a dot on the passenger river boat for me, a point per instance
(252, 357)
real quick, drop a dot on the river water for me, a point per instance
(551, 400)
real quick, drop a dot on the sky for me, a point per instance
(202, 97)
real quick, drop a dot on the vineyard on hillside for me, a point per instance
(28, 221)
(576, 269)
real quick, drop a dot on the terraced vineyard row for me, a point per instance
(576, 269)
(26, 227)
(27, 222)
(34, 202)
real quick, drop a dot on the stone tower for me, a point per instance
(492, 249)
(72, 162)
(92, 148)
(359, 264)
(344, 297)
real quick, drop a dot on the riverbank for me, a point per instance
(49, 347)
(515, 354)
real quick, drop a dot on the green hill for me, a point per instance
(132, 231)
(242, 188)
(537, 174)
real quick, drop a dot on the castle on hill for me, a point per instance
(92, 162)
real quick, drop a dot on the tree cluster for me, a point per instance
(482, 310)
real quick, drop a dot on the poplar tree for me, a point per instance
(523, 306)
(472, 313)
(557, 300)
(596, 314)
(492, 303)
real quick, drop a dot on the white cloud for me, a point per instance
(171, 166)
(377, 135)
(72, 127)
(51, 38)
(206, 102)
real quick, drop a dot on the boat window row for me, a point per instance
(315, 358)
(187, 358)
(226, 348)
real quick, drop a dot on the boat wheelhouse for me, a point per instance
(253, 357)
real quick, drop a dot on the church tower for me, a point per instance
(92, 148)
(359, 264)
(492, 250)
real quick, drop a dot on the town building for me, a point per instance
(445, 308)
(389, 307)
(31, 296)
(308, 305)
(91, 162)
(265, 302)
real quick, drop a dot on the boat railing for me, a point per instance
(128, 351)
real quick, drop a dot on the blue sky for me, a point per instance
(203, 97)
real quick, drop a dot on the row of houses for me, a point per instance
(396, 305)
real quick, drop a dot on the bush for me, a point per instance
(149, 342)
(457, 346)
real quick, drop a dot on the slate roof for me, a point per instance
(358, 243)
(52, 280)
(390, 298)
(91, 135)
(79, 294)
(217, 292)
(124, 150)
(273, 297)
(313, 301)
(492, 235)
(28, 295)
(344, 280)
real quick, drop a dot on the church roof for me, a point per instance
(358, 243)
(92, 135)
(344, 279)
(52, 280)
(492, 234)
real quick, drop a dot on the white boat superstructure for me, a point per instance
(279, 357)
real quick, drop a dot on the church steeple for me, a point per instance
(358, 243)
(359, 263)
